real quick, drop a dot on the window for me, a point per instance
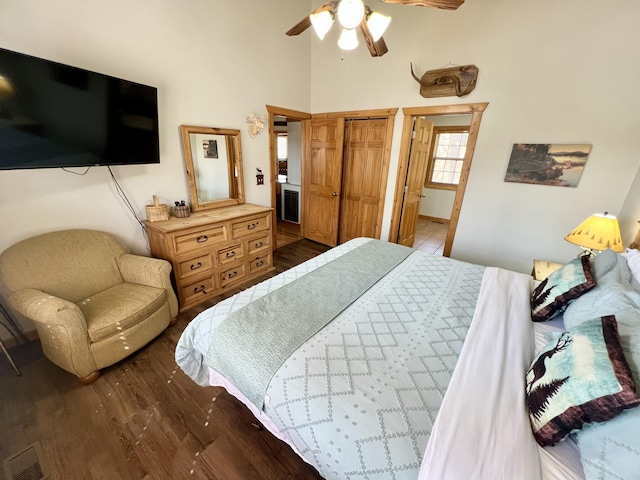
(282, 146)
(447, 156)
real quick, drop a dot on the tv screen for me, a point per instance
(55, 115)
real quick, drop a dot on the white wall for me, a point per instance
(552, 72)
(213, 62)
(294, 153)
(437, 203)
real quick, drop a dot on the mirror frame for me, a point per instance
(236, 184)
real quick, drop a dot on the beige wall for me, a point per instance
(559, 72)
(213, 62)
(552, 72)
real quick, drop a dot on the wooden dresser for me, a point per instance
(215, 249)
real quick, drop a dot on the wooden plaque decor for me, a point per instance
(447, 82)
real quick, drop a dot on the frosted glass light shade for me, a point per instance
(377, 24)
(321, 22)
(348, 39)
(598, 232)
(350, 13)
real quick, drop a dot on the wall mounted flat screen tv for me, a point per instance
(55, 115)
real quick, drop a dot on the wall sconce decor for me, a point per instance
(255, 124)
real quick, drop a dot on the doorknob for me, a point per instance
(335, 194)
(423, 195)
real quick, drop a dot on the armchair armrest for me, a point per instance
(154, 272)
(62, 329)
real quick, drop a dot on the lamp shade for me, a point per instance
(377, 24)
(348, 39)
(598, 232)
(321, 22)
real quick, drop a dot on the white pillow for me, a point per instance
(633, 261)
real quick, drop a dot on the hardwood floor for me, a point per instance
(287, 232)
(143, 418)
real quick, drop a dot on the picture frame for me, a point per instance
(547, 163)
(210, 148)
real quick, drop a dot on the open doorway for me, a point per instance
(286, 137)
(412, 185)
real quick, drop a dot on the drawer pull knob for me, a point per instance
(231, 275)
(196, 266)
(231, 254)
(251, 226)
(259, 263)
(199, 289)
(202, 239)
(259, 244)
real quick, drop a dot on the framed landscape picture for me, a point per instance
(547, 163)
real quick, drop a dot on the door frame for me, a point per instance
(293, 115)
(304, 117)
(476, 110)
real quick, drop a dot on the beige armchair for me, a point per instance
(92, 303)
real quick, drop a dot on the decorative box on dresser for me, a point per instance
(215, 249)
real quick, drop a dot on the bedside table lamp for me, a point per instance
(598, 232)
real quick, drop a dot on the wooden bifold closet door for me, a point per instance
(344, 179)
(362, 178)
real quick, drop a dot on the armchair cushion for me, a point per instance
(113, 311)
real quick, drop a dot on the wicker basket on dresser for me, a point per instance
(215, 249)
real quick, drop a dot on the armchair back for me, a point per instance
(70, 264)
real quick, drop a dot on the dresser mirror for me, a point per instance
(213, 159)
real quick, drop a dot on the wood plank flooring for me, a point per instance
(143, 418)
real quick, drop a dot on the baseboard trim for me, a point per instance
(435, 219)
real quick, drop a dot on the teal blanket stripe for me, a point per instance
(254, 341)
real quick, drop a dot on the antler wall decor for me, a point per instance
(255, 124)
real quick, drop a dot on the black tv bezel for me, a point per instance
(80, 73)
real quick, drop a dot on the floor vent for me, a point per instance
(25, 465)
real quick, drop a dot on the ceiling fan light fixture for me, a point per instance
(378, 24)
(321, 22)
(350, 13)
(348, 39)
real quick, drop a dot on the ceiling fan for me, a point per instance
(354, 14)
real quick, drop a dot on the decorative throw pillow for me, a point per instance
(555, 292)
(580, 377)
(633, 262)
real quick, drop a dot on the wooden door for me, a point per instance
(416, 172)
(362, 178)
(322, 177)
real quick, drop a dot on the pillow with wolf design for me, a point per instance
(552, 296)
(581, 376)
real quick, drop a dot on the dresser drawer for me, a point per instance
(232, 275)
(248, 226)
(259, 244)
(262, 262)
(200, 289)
(192, 241)
(229, 254)
(195, 266)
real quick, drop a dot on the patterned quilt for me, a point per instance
(360, 398)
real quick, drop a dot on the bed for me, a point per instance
(374, 360)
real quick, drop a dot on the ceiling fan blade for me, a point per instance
(445, 4)
(299, 27)
(376, 49)
(305, 23)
